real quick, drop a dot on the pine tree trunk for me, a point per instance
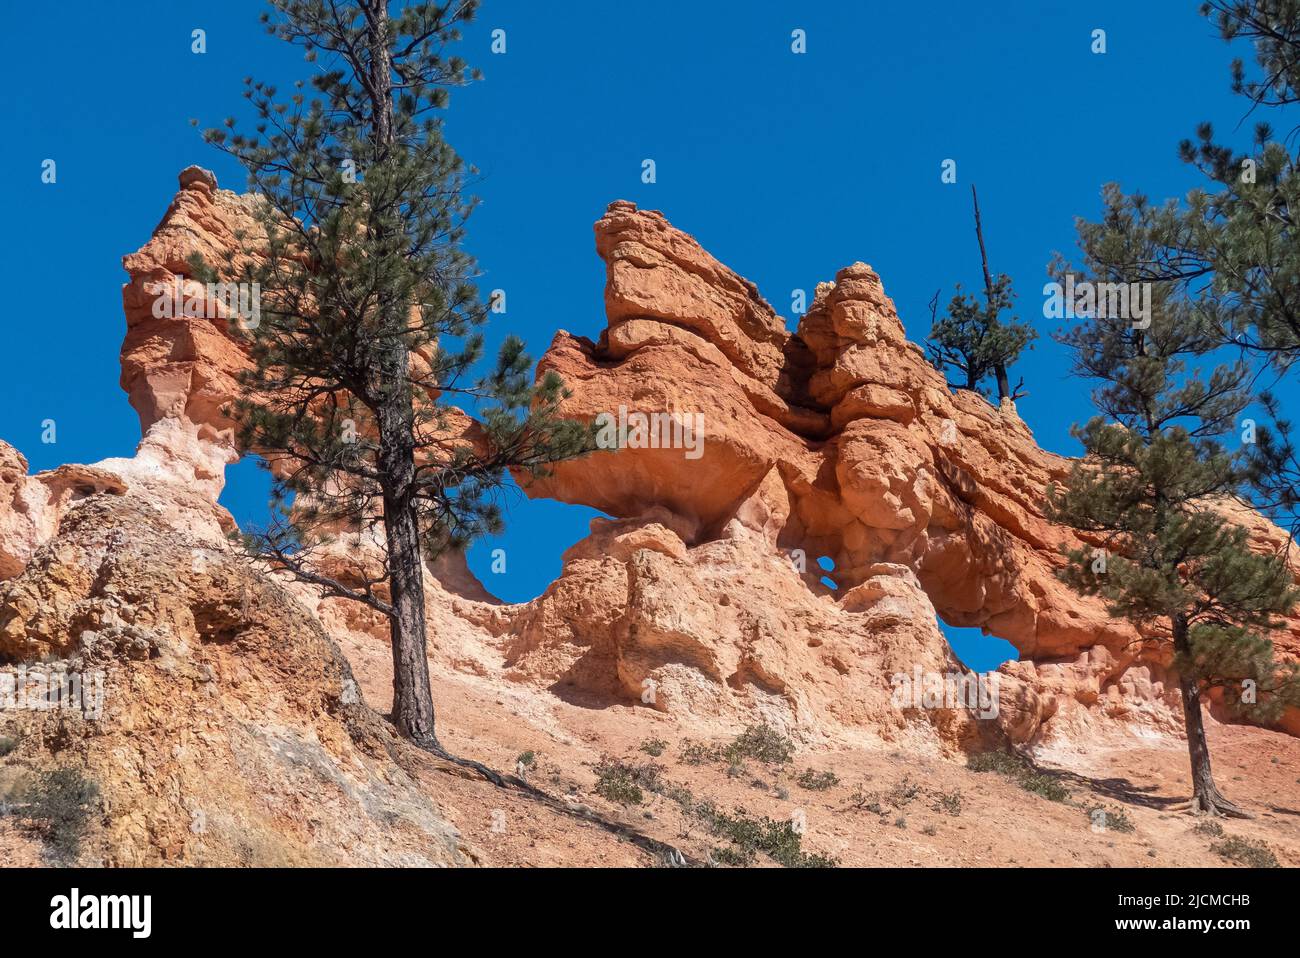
(1004, 388)
(1206, 797)
(412, 699)
(999, 369)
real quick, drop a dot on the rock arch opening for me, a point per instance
(247, 492)
(522, 562)
(978, 650)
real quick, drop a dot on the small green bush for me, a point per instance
(903, 793)
(1004, 762)
(623, 783)
(7, 745)
(779, 841)
(679, 794)
(817, 781)
(948, 802)
(60, 800)
(654, 746)
(697, 753)
(761, 743)
(867, 800)
(1016, 766)
(733, 855)
(1245, 852)
(1111, 819)
(1045, 785)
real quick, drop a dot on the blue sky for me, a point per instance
(786, 167)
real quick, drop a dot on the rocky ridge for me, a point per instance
(700, 599)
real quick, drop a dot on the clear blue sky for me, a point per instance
(785, 166)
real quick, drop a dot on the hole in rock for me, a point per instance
(827, 564)
(522, 561)
(977, 651)
(247, 493)
(515, 566)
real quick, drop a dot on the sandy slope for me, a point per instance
(999, 824)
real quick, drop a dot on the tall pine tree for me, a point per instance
(1150, 494)
(365, 293)
(978, 340)
(1231, 247)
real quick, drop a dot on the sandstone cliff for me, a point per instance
(839, 440)
(699, 600)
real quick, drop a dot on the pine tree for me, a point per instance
(1149, 495)
(1231, 247)
(364, 291)
(973, 339)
